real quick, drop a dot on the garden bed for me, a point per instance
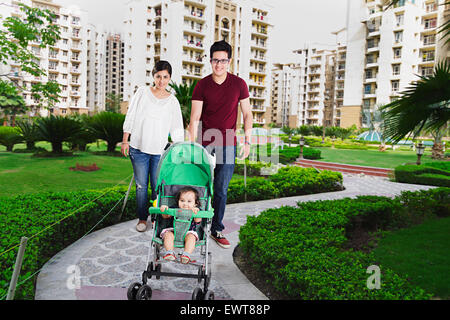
(313, 251)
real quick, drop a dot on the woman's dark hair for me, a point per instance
(186, 190)
(221, 46)
(161, 66)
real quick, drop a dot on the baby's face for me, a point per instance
(187, 201)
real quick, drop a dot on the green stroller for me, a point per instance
(183, 164)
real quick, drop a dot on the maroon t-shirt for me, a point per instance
(220, 108)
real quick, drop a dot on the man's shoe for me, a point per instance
(220, 239)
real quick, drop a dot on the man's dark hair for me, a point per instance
(161, 66)
(221, 46)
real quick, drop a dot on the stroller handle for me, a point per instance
(173, 212)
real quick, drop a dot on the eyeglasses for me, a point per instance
(223, 61)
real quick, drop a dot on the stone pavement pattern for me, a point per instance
(111, 259)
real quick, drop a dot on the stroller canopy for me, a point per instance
(186, 163)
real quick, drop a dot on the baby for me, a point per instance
(188, 199)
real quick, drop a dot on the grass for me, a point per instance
(22, 173)
(372, 158)
(421, 252)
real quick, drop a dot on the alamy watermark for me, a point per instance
(374, 281)
(74, 280)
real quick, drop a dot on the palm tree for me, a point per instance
(183, 93)
(56, 130)
(289, 131)
(423, 107)
(29, 132)
(10, 136)
(107, 126)
(11, 102)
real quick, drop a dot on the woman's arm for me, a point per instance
(176, 127)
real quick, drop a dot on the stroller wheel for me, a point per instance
(209, 295)
(200, 274)
(132, 290)
(197, 294)
(144, 293)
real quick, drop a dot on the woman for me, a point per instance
(153, 114)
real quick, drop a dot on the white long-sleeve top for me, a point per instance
(150, 120)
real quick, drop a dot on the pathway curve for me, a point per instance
(111, 259)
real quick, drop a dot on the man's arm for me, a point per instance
(196, 113)
(248, 125)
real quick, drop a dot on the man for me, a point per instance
(215, 103)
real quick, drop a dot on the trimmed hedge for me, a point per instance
(289, 181)
(434, 174)
(28, 215)
(302, 250)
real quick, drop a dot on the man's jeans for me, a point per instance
(226, 159)
(143, 165)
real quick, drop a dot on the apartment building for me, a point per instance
(115, 58)
(182, 33)
(65, 62)
(386, 50)
(96, 67)
(305, 92)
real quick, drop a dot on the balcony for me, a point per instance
(197, 3)
(260, 109)
(191, 74)
(260, 71)
(75, 70)
(259, 18)
(194, 15)
(192, 59)
(370, 94)
(429, 25)
(254, 83)
(260, 31)
(194, 44)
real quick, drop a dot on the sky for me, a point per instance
(295, 22)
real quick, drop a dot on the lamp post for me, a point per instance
(302, 144)
(420, 149)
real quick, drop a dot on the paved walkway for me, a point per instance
(111, 259)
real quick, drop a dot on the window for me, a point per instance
(396, 69)
(397, 53)
(395, 85)
(368, 89)
(399, 18)
(398, 36)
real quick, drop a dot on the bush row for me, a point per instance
(289, 181)
(302, 250)
(434, 174)
(30, 215)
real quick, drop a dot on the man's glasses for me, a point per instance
(223, 61)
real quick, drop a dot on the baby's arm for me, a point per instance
(197, 220)
(163, 209)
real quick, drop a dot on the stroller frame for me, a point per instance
(143, 291)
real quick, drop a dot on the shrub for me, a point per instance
(30, 215)
(435, 175)
(10, 136)
(302, 250)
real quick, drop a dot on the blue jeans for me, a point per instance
(226, 160)
(143, 165)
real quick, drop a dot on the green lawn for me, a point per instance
(22, 173)
(372, 158)
(422, 253)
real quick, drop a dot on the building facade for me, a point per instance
(386, 51)
(182, 33)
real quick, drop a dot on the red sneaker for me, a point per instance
(221, 240)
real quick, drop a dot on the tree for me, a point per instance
(112, 103)
(184, 93)
(289, 131)
(423, 107)
(29, 133)
(11, 102)
(15, 36)
(107, 126)
(57, 129)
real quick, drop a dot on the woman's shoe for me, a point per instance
(141, 226)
